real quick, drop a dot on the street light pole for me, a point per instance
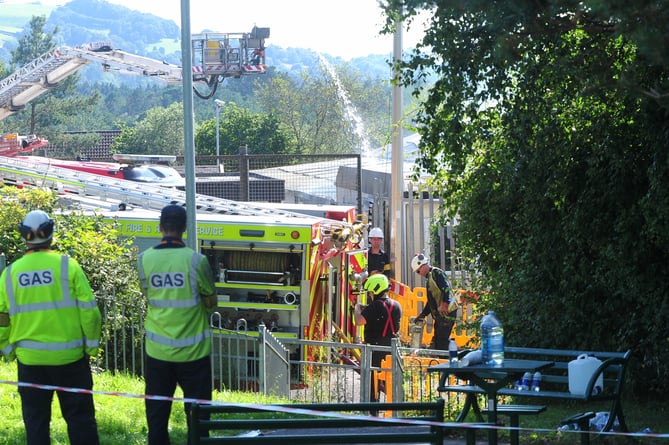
(218, 103)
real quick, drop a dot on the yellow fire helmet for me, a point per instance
(377, 284)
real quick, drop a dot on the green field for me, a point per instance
(15, 17)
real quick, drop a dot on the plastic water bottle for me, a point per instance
(569, 427)
(453, 351)
(525, 382)
(536, 381)
(492, 339)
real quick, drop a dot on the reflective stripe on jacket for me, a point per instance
(53, 315)
(177, 321)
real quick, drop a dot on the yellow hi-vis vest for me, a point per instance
(174, 280)
(53, 317)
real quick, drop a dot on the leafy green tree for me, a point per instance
(312, 111)
(15, 204)
(159, 133)
(58, 109)
(261, 133)
(106, 257)
(546, 130)
(34, 42)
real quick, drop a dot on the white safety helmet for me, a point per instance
(376, 232)
(36, 227)
(418, 260)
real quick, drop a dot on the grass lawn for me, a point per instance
(639, 415)
(121, 419)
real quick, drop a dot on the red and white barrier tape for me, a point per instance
(286, 409)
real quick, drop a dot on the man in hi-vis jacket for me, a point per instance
(50, 322)
(179, 287)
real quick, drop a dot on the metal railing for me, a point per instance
(296, 369)
(306, 371)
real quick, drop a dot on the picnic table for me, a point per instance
(490, 379)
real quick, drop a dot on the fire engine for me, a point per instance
(13, 143)
(285, 271)
(153, 169)
(276, 262)
(296, 269)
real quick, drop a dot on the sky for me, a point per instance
(345, 28)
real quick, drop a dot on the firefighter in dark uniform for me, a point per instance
(381, 319)
(377, 259)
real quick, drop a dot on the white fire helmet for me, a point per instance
(418, 260)
(376, 232)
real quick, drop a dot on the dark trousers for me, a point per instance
(78, 409)
(442, 333)
(162, 379)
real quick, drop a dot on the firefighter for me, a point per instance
(381, 319)
(50, 322)
(179, 286)
(440, 304)
(377, 259)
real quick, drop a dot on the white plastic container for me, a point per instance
(580, 371)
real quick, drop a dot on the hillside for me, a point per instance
(83, 21)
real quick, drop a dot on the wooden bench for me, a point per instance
(321, 429)
(555, 383)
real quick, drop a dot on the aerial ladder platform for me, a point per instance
(120, 193)
(215, 56)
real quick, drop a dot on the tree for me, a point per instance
(261, 133)
(159, 133)
(106, 257)
(316, 111)
(546, 130)
(60, 107)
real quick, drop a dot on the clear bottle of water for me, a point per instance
(453, 351)
(492, 339)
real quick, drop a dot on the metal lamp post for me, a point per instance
(218, 103)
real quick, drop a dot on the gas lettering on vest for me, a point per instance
(36, 278)
(168, 280)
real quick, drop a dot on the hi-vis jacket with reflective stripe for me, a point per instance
(53, 318)
(174, 280)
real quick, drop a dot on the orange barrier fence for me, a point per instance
(414, 300)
